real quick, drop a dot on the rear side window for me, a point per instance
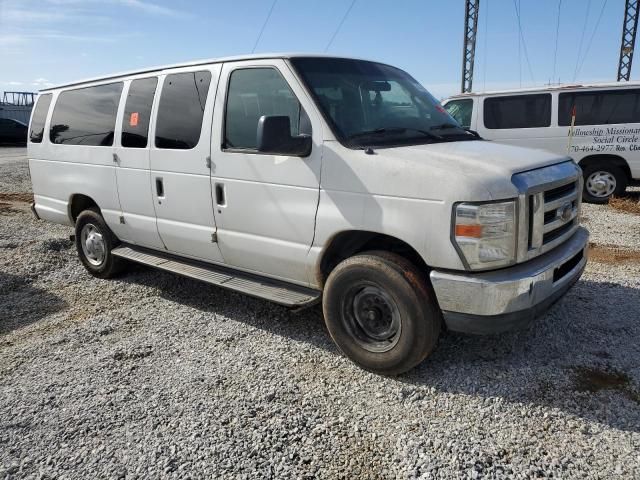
(461, 111)
(135, 124)
(181, 110)
(254, 92)
(518, 111)
(600, 107)
(39, 117)
(86, 116)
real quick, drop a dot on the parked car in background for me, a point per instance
(604, 141)
(301, 179)
(12, 132)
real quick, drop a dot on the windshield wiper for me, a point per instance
(451, 126)
(393, 130)
(445, 126)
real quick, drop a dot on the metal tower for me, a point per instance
(629, 28)
(469, 48)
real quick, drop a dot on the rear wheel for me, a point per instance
(94, 242)
(381, 312)
(602, 181)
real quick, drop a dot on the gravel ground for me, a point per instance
(156, 376)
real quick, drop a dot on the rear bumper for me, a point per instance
(511, 298)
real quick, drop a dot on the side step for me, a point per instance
(247, 283)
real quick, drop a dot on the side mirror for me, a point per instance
(274, 136)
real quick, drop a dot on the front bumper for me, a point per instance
(511, 298)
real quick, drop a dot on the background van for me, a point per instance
(606, 137)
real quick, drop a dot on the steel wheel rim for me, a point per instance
(372, 317)
(601, 184)
(93, 245)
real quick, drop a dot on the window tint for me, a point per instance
(39, 116)
(86, 116)
(600, 107)
(518, 111)
(461, 111)
(181, 109)
(254, 92)
(135, 124)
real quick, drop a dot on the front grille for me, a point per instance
(557, 233)
(550, 204)
(560, 211)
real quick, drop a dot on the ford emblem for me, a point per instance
(565, 212)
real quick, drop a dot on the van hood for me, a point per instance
(482, 156)
(478, 166)
(450, 171)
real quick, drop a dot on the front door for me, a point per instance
(181, 188)
(265, 204)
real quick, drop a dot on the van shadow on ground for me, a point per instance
(22, 304)
(582, 357)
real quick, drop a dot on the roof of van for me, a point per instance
(548, 88)
(258, 56)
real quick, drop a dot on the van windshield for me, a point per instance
(372, 104)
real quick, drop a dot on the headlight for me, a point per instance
(485, 233)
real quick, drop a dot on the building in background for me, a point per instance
(17, 105)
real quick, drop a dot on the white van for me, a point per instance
(604, 141)
(300, 178)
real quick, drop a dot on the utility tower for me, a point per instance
(469, 48)
(629, 28)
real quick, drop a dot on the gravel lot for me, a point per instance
(156, 376)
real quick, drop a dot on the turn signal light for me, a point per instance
(473, 231)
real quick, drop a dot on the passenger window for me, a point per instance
(135, 124)
(39, 117)
(518, 111)
(181, 110)
(602, 107)
(254, 92)
(461, 111)
(86, 116)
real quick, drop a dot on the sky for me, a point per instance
(47, 42)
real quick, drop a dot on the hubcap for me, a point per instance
(601, 184)
(93, 245)
(372, 318)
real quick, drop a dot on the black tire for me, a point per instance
(110, 266)
(616, 172)
(349, 301)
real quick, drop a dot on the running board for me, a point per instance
(268, 289)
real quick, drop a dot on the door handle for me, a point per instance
(116, 159)
(159, 187)
(220, 195)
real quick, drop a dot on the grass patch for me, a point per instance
(612, 255)
(625, 204)
(17, 197)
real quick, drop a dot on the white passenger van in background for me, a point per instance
(605, 140)
(301, 179)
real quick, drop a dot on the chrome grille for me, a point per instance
(549, 207)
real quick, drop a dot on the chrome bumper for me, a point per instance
(508, 299)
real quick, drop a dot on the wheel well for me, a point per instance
(609, 159)
(346, 244)
(79, 203)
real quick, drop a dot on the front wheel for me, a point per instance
(601, 182)
(94, 242)
(381, 312)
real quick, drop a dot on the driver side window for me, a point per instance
(252, 93)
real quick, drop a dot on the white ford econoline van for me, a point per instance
(295, 178)
(604, 141)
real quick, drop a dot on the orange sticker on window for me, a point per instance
(133, 119)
